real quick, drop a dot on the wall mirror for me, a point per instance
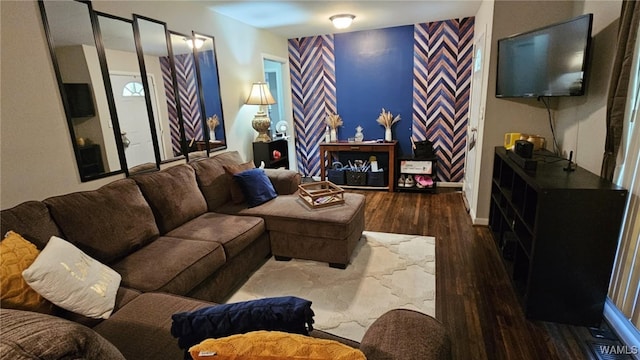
(80, 72)
(156, 61)
(207, 68)
(128, 93)
(188, 95)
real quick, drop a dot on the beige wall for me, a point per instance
(36, 155)
(581, 120)
(529, 116)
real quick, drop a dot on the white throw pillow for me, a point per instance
(74, 281)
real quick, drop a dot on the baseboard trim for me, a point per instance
(476, 221)
(627, 333)
(449, 184)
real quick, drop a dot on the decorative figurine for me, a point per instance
(359, 135)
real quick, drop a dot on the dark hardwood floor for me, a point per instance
(474, 298)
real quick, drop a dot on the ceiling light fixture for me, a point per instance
(342, 21)
(198, 42)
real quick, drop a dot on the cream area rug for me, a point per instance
(387, 271)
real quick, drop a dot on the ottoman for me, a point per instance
(326, 234)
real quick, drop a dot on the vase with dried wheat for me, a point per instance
(387, 120)
(333, 121)
(212, 123)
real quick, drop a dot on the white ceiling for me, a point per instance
(302, 18)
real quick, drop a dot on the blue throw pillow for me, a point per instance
(256, 186)
(289, 314)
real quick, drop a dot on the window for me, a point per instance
(133, 88)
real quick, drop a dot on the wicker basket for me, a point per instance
(356, 178)
(377, 178)
(336, 176)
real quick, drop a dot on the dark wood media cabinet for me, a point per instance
(263, 151)
(557, 232)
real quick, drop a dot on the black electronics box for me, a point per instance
(527, 164)
(524, 148)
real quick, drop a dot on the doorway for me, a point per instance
(474, 129)
(273, 78)
(128, 94)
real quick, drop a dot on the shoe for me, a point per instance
(401, 181)
(424, 181)
(409, 181)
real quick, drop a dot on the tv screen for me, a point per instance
(80, 100)
(550, 61)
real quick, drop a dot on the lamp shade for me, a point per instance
(260, 95)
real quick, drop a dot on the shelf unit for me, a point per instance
(409, 165)
(329, 151)
(90, 163)
(263, 151)
(557, 233)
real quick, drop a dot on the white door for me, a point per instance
(475, 113)
(128, 94)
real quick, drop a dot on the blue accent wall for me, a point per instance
(374, 70)
(210, 86)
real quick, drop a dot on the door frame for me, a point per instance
(287, 107)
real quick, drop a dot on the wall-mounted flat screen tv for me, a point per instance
(550, 61)
(80, 100)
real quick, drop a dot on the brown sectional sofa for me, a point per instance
(179, 244)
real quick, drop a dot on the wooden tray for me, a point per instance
(321, 194)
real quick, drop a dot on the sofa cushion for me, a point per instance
(107, 223)
(235, 233)
(141, 329)
(289, 214)
(17, 254)
(173, 195)
(256, 186)
(30, 335)
(123, 296)
(170, 265)
(72, 280)
(32, 221)
(213, 180)
(237, 193)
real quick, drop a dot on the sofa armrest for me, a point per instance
(406, 335)
(284, 181)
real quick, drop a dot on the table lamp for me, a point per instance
(260, 95)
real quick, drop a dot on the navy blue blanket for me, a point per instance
(288, 314)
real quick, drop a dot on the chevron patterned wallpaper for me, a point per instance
(313, 85)
(441, 88)
(188, 97)
(171, 106)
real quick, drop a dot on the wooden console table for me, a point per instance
(328, 149)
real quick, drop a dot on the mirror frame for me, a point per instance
(203, 106)
(106, 82)
(145, 83)
(65, 98)
(185, 145)
(148, 106)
